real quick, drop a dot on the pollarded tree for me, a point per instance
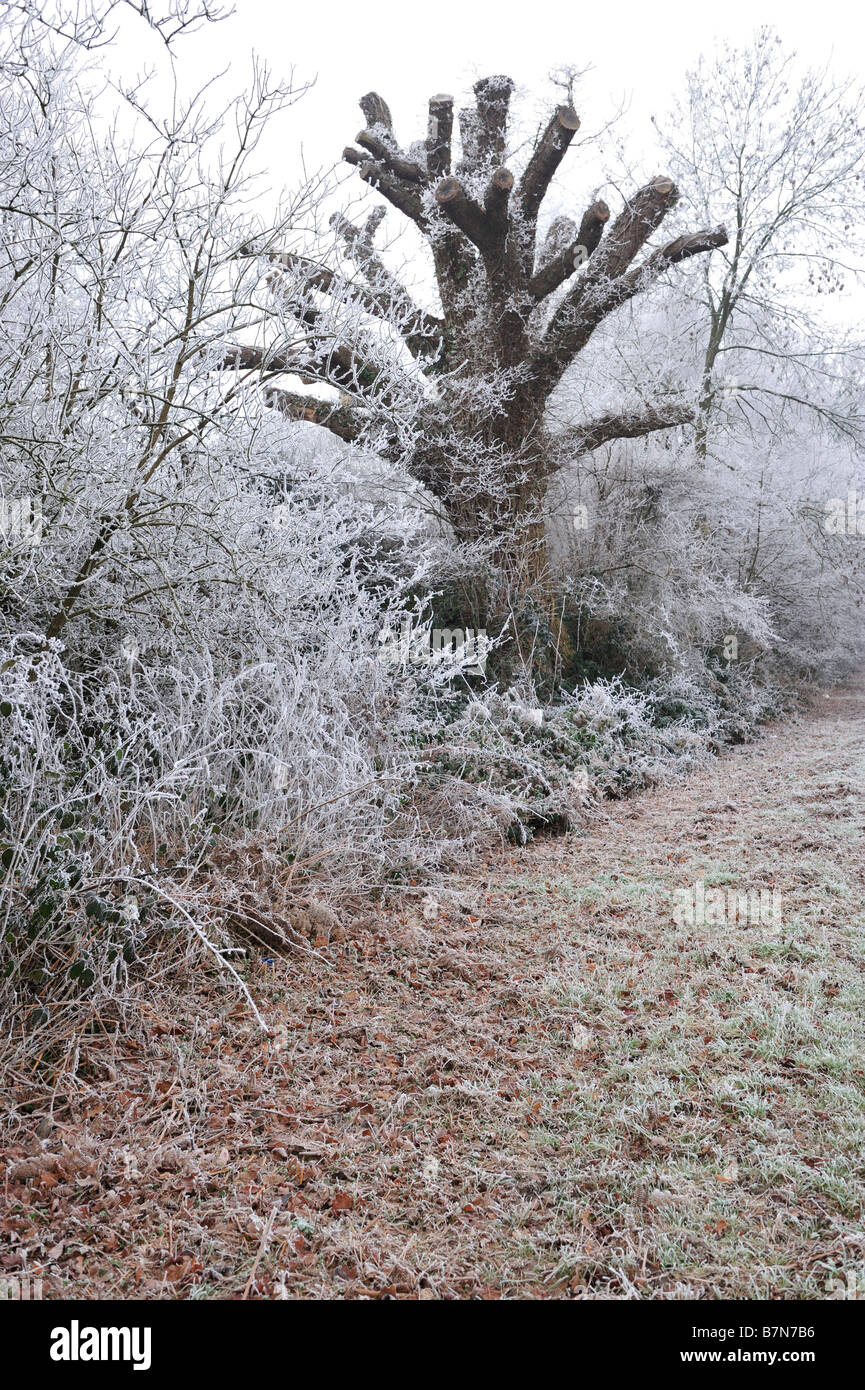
(462, 406)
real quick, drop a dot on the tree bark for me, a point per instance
(439, 136)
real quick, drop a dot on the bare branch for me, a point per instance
(597, 295)
(627, 425)
(496, 198)
(680, 249)
(243, 358)
(406, 199)
(575, 253)
(561, 232)
(376, 112)
(592, 296)
(385, 296)
(88, 26)
(463, 211)
(343, 421)
(397, 163)
(594, 220)
(493, 95)
(439, 135)
(469, 140)
(422, 332)
(643, 214)
(545, 160)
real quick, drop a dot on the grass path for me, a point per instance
(534, 1082)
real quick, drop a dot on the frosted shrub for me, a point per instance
(193, 711)
(600, 740)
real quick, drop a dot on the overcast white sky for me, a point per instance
(407, 51)
(638, 54)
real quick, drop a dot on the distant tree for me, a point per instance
(783, 161)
